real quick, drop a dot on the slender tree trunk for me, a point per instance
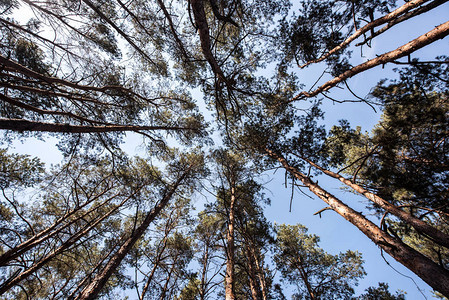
(90, 275)
(199, 15)
(153, 270)
(437, 33)
(204, 273)
(436, 235)
(94, 288)
(229, 279)
(252, 273)
(371, 25)
(167, 281)
(305, 278)
(47, 233)
(260, 275)
(436, 276)
(25, 125)
(72, 240)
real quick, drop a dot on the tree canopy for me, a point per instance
(219, 93)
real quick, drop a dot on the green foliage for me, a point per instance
(380, 293)
(320, 26)
(405, 158)
(317, 274)
(19, 170)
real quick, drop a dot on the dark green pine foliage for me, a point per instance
(406, 157)
(380, 293)
(315, 273)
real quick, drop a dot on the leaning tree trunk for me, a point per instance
(434, 275)
(50, 231)
(422, 227)
(97, 284)
(67, 244)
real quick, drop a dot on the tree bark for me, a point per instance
(229, 279)
(153, 270)
(203, 287)
(203, 31)
(260, 275)
(252, 273)
(305, 278)
(72, 240)
(433, 274)
(48, 232)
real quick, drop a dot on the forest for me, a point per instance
(241, 109)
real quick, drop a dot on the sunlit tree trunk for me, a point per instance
(436, 235)
(252, 273)
(434, 275)
(94, 288)
(229, 279)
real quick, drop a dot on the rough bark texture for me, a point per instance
(438, 32)
(97, 284)
(203, 31)
(434, 275)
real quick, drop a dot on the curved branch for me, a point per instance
(394, 14)
(203, 29)
(402, 18)
(437, 33)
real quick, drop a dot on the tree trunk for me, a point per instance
(167, 280)
(72, 240)
(48, 232)
(203, 287)
(25, 125)
(252, 273)
(436, 235)
(153, 271)
(260, 275)
(229, 279)
(434, 275)
(305, 278)
(94, 288)
(371, 25)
